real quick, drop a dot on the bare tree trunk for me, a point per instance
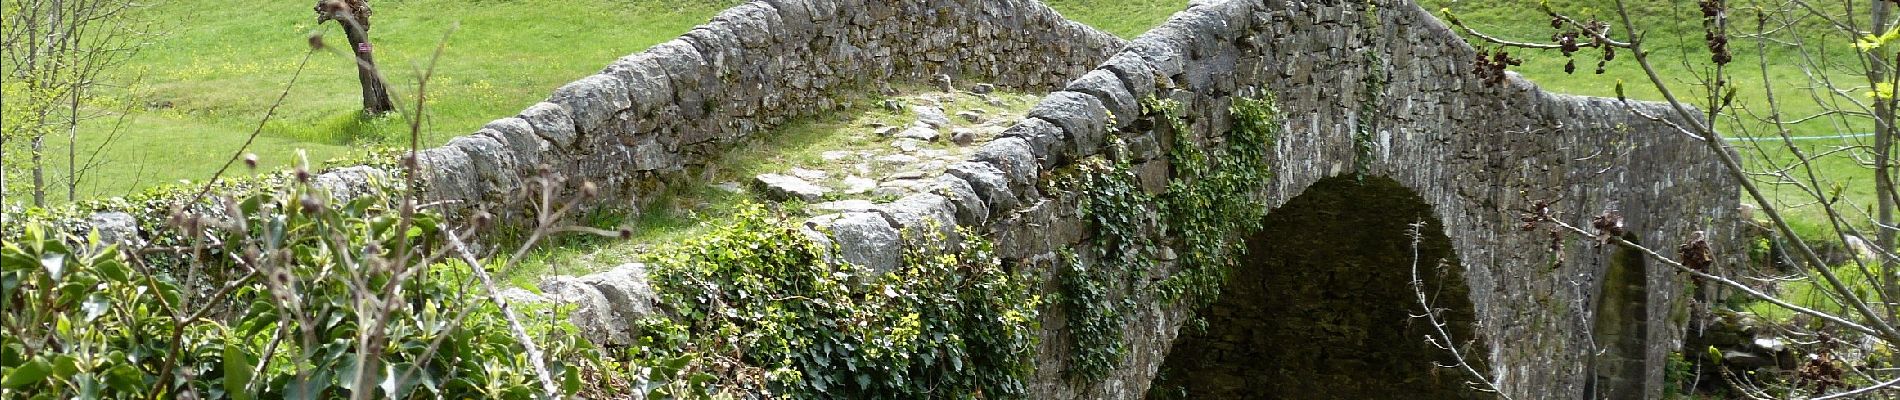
(72, 147)
(375, 93)
(1884, 133)
(39, 172)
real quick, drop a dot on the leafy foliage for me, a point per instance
(758, 293)
(1095, 289)
(301, 309)
(1212, 200)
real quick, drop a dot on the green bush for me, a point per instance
(281, 294)
(758, 300)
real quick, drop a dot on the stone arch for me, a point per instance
(1321, 305)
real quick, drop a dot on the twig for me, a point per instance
(535, 358)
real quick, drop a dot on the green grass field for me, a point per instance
(203, 87)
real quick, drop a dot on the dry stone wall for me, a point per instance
(650, 116)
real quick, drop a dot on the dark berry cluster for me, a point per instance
(1714, 15)
(1490, 65)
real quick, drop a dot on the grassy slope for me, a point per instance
(206, 84)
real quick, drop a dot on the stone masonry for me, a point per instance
(1477, 153)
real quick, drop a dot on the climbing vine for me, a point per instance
(1096, 289)
(1216, 198)
(1213, 199)
(758, 302)
(1371, 96)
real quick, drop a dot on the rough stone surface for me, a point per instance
(115, 227)
(784, 187)
(856, 184)
(923, 133)
(931, 116)
(1473, 152)
(864, 239)
(348, 183)
(963, 136)
(593, 312)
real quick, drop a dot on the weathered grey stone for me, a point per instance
(836, 155)
(348, 183)
(844, 206)
(551, 122)
(650, 155)
(115, 228)
(1079, 115)
(971, 116)
(963, 136)
(897, 160)
(593, 101)
(982, 88)
(922, 213)
(923, 133)
(647, 85)
(1134, 72)
(1011, 155)
(1043, 138)
(908, 145)
(593, 313)
(866, 240)
(783, 188)
(809, 174)
(1108, 89)
(931, 116)
(451, 176)
(521, 296)
(626, 290)
(856, 184)
(989, 184)
(971, 211)
(529, 150)
(491, 163)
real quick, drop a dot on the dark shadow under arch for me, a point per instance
(1620, 327)
(1321, 306)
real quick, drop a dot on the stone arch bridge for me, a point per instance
(1382, 124)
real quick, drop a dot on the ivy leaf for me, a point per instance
(27, 374)
(95, 306)
(237, 372)
(55, 264)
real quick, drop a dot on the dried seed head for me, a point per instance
(626, 233)
(316, 41)
(311, 204)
